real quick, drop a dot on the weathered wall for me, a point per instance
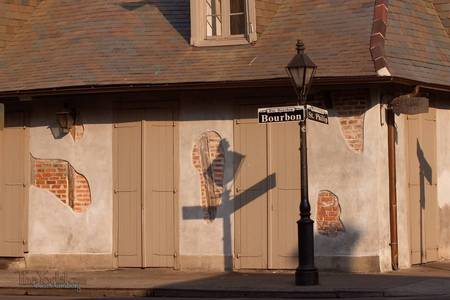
(198, 236)
(54, 227)
(403, 228)
(355, 173)
(443, 173)
(353, 176)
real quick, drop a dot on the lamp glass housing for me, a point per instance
(301, 70)
(66, 120)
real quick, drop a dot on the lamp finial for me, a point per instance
(300, 46)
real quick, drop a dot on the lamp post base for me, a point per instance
(306, 277)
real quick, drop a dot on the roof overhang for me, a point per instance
(260, 83)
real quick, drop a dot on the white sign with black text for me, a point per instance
(281, 114)
(292, 113)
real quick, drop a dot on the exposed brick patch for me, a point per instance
(378, 37)
(350, 108)
(209, 160)
(328, 214)
(60, 178)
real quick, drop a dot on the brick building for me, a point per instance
(131, 137)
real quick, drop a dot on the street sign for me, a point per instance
(410, 105)
(317, 114)
(281, 114)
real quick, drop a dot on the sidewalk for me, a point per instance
(427, 280)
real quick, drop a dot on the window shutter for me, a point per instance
(251, 20)
(196, 21)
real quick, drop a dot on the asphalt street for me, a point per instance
(137, 298)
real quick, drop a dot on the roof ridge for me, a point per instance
(441, 21)
(378, 37)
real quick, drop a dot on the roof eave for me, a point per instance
(148, 87)
(274, 82)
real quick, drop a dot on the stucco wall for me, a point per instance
(353, 177)
(197, 236)
(53, 226)
(403, 227)
(358, 179)
(443, 173)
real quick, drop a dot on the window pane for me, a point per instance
(237, 24)
(237, 6)
(213, 17)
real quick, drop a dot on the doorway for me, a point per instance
(13, 185)
(145, 214)
(265, 225)
(423, 206)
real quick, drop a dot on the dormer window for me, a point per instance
(222, 22)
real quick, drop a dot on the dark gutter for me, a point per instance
(392, 166)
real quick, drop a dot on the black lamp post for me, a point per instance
(301, 69)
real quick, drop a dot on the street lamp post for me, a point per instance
(301, 69)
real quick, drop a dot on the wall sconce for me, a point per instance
(66, 119)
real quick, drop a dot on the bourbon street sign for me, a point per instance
(292, 113)
(281, 114)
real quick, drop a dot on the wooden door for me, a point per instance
(284, 161)
(159, 188)
(424, 211)
(145, 207)
(267, 192)
(251, 217)
(13, 186)
(127, 191)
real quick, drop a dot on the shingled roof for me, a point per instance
(417, 43)
(69, 43)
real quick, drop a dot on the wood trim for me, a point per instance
(229, 41)
(270, 198)
(176, 153)
(115, 229)
(236, 216)
(27, 171)
(143, 196)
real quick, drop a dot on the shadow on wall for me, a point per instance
(331, 231)
(425, 173)
(176, 12)
(230, 204)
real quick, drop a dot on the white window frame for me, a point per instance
(198, 25)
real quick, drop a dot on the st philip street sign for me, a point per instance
(317, 114)
(281, 114)
(291, 113)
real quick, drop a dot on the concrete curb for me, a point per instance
(198, 293)
(83, 292)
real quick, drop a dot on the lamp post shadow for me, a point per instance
(231, 202)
